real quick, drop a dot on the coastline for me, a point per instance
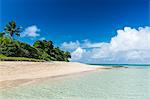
(116, 82)
(14, 73)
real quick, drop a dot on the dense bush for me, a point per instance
(41, 49)
(10, 47)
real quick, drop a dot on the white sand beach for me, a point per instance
(16, 73)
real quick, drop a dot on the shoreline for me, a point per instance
(13, 74)
(9, 84)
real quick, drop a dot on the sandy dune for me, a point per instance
(15, 73)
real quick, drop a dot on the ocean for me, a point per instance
(126, 65)
(117, 83)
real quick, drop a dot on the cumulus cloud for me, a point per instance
(128, 46)
(31, 31)
(77, 54)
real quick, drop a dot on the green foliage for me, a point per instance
(2, 34)
(2, 56)
(43, 55)
(48, 52)
(19, 59)
(41, 49)
(11, 29)
(60, 55)
(10, 47)
(44, 45)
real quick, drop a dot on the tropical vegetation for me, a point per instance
(41, 50)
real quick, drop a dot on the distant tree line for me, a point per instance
(41, 49)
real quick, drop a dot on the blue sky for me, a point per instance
(75, 20)
(65, 20)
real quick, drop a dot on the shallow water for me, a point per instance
(121, 83)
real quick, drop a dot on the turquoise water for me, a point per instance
(119, 83)
(127, 65)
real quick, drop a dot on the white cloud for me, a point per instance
(31, 31)
(42, 38)
(88, 44)
(128, 46)
(70, 46)
(74, 45)
(77, 54)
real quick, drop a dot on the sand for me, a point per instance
(16, 73)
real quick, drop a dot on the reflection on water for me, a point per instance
(120, 83)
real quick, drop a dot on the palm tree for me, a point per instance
(11, 28)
